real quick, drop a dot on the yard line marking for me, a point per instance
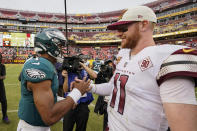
(12, 84)
(10, 111)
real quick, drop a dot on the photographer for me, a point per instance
(104, 75)
(74, 67)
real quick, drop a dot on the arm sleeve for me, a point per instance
(178, 90)
(103, 89)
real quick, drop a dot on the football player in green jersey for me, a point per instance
(38, 107)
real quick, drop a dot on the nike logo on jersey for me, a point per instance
(38, 63)
(188, 50)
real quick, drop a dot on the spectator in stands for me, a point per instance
(151, 83)
(80, 113)
(3, 99)
(38, 107)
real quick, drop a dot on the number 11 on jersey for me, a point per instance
(123, 80)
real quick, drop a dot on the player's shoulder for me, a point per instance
(38, 69)
(166, 48)
(182, 62)
(38, 63)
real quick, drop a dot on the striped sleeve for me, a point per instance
(183, 62)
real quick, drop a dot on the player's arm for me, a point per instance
(179, 102)
(44, 100)
(177, 89)
(65, 84)
(104, 89)
(91, 72)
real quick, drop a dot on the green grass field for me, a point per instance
(12, 85)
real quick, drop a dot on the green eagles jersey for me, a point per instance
(96, 65)
(35, 70)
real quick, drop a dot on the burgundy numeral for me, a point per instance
(123, 80)
(115, 90)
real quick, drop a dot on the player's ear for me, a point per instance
(144, 26)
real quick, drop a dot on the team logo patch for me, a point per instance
(118, 60)
(35, 73)
(145, 64)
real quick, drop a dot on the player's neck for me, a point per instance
(142, 43)
(48, 57)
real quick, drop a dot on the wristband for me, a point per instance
(75, 94)
(93, 90)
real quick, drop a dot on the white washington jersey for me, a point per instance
(135, 103)
(122, 53)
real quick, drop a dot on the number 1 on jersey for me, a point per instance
(123, 80)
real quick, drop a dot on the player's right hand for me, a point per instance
(81, 85)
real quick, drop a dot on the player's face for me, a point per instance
(130, 36)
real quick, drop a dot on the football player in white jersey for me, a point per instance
(153, 87)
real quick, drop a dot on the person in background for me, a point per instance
(60, 79)
(3, 99)
(153, 86)
(96, 64)
(103, 76)
(80, 114)
(38, 107)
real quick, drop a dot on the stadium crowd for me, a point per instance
(151, 80)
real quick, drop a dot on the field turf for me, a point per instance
(12, 86)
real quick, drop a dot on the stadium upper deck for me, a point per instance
(176, 18)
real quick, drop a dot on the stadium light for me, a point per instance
(66, 31)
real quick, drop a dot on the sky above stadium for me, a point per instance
(73, 6)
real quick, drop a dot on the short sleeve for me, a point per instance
(37, 73)
(178, 90)
(180, 63)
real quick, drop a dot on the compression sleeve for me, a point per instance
(178, 90)
(103, 89)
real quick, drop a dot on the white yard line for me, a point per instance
(11, 111)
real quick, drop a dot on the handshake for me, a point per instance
(82, 85)
(78, 87)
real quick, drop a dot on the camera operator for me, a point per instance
(80, 113)
(104, 75)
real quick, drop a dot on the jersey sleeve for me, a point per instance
(178, 90)
(183, 62)
(37, 73)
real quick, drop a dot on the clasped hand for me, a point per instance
(81, 85)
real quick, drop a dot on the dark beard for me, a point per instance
(132, 42)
